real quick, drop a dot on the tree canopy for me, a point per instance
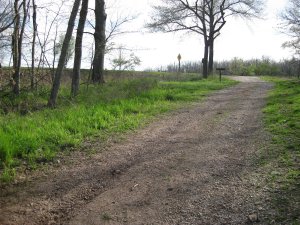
(291, 25)
(203, 17)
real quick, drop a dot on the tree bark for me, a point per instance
(34, 23)
(15, 50)
(63, 54)
(299, 69)
(211, 57)
(100, 41)
(78, 48)
(205, 59)
(25, 14)
(211, 36)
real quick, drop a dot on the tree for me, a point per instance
(125, 62)
(70, 50)
(115, 30)
(100, 42)
(17, 41)
(291, 25)
(7, 16)
(78, 48)
(34, 25)
(53, 18)
(203, 17)
(63, 55)
(6, 23)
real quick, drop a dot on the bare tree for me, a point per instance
(203, 17)
(17, 41)
(115, 30)
(100, 42)
(291, 25)
(105, 33)
(34, 24)
(6, 15)
(78, 48)
(47, 35)
(125, 61)
(62, 58)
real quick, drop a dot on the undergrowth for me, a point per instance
(282, 117)
(98, 112)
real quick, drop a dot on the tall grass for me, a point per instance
(282, 116)
(99, 111)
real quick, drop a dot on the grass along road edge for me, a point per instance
(281, 160)
(99, 112)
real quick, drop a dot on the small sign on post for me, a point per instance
(179, 59)
(220, 69)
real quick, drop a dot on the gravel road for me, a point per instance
(193, 166)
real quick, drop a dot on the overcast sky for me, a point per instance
(239, 38)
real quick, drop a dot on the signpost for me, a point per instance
(220, 72)
(179, 59)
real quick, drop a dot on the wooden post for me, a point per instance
(220, 73)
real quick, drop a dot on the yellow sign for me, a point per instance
(179, 57)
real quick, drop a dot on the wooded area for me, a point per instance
(20, 35)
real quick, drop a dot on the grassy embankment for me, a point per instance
(282, 160)
(100, 111)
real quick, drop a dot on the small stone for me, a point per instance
(253, 217)
(116, 172)
(132, 188)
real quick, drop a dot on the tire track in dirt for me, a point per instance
(191, 167)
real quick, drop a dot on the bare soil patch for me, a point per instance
(194, 166)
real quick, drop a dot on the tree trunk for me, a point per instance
(25, 13)
(211, 56)
(63, 54)
(34, 23)
(15, 50)
(100, 41)
(299, 69)
(78, 48)
(205, 59)
(17, 41)
(211, 38)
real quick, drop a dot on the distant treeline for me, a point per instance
(237, 66)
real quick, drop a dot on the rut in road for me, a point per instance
(191, 167)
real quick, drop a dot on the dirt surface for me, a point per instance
(194, 166)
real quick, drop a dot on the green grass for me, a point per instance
(282, 117)
(99, 111)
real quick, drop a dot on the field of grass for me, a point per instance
(282, 117)
(99, 111)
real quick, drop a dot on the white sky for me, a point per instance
(239, 38)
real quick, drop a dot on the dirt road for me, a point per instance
(194, 166)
